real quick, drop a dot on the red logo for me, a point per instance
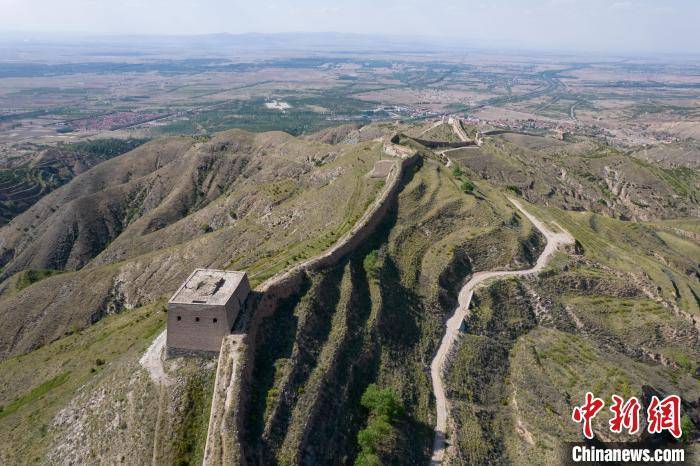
(585, 414)
(661, 415)
(625, 415)
(665, 415)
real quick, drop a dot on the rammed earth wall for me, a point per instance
(231, 391)
(449, 145)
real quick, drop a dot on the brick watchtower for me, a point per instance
(203, 310)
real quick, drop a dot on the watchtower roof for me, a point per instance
(208, 286)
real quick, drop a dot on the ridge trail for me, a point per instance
(152, 360)
(454, 323)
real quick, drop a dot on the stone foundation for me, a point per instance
(189, 353)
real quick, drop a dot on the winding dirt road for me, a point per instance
(454, 324)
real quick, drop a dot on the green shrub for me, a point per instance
(382, 402)
(377, 431)
(457, 172)
(385, 407)
(513, 189)
(29, 277)
(371, 264)
(467, 186)
(367, 459)
(688, 428)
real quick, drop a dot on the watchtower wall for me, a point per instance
(201, 326)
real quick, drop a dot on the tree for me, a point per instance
(385, 407)
(382, 402)
(467, 186)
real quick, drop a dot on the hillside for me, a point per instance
(91, 264)
(619, 316)
(582, 174)
(375, 318)
(24, 182)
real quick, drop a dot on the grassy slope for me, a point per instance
(668, 258)
(375, 318)
(35, 386)
(551, 371)
(46, 380)
(582, 175)
(516, 375)
(344, 204)
(443, 132)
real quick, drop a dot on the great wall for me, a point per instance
(224, 443)
(234, 370)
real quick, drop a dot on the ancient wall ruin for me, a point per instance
(233, 379)
(203, 310)
(444, 144)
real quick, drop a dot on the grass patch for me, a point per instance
(467, 186)
(192, 434)
(29, 277)
(371, 264)
(34, 394)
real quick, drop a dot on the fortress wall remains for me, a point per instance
(201, 328)
(369, 221)
(227, 448)
(449, 145)
(224, 434)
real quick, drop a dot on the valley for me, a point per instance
(374, 314)
(445, 251)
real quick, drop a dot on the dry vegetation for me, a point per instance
(90, 263)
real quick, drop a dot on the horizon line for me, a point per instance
(444, 41)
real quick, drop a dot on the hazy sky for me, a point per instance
(615, 25)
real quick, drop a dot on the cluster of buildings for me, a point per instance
(112, 121)
(397, 112)
(532, 124)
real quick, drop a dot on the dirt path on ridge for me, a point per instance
(152, 360)
(454, 323)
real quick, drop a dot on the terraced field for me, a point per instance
(22, 186)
